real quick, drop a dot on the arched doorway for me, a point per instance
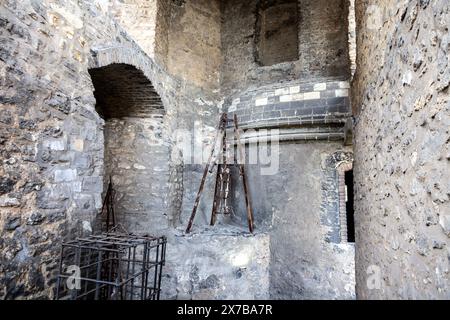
(135, 156)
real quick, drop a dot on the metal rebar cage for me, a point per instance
(111, 266)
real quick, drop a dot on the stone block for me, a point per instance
(77, 145)
(320, 110)
(273, 100)
(320, 87)
(313, 103)
(297, 104)
(282, 91)
(12, 223)
(294, 89)
(35, 218)
(336, 101)
(327, 94)
(298, 97)
(55, 145)
(283, 106)
(285, 98)
(65, 175)
(444, 221)
(342, 93)
(6, 201)
(92, 184)
(261, 102)
(6, 185)
(84, 202)
(311, 95)
(344, 85)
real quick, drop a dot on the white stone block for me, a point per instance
(407, 78)
(312, 95)
(285, 98)
(78, 145)
(298, 97)
(65, 175)
(75, 186)
(344, 85)
(232, 108)
(87, 226)
(9, 202)
(282, 91)
(320, 87)
(342, 93)
(261, 102)
(444, 221)
(57, 145)
(98, 201)
(295, 89)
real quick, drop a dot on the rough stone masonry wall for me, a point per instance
(307, 101)
(298, 208)
(293, 104)
(53, 139)
(194, 48)
(322, 44)
(402, 149)
(139, 18)
(137, 160)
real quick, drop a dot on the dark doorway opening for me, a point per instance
(349, 206)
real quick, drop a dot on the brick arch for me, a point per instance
(164, 85)
(169, 89)
(122, 90)
(331, 193)
(131, 95)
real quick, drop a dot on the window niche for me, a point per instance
(276, 38)
(346, 210)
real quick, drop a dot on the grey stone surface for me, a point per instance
(322, 45)
(295, 102)
(304, 261)
(402, 107)
(226, 264)
(57, 151)
(53, 139)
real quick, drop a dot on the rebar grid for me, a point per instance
(111, 266)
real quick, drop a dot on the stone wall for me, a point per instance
(218, 264)
(52, 138)
(276, 32)
(138, 162)
(292, 104)
(295, 207)
(402, 160)
(296, 210)
(57, 150)
(194, 52)
(162, 32)
(139, 18)
(322, 44)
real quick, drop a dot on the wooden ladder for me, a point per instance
(223, 176)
